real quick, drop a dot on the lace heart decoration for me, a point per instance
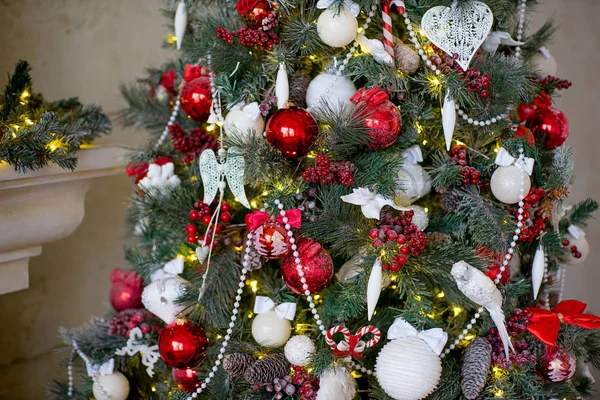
(458, 29)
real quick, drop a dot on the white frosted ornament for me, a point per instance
(299, 350)
(269, 329)
(113, 386)
(544, 62)
(331, 89)
(413, 182)
(336, 383)
(420, 218)
(337, 26)
(180, 23)
(506, 183)
(576, 237)
(160, 297)
(408, 369)
(244, 121)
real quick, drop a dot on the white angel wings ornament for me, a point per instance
(214, 172)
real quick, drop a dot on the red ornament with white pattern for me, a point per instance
(271, 240)
(316, 264)
(557, 365)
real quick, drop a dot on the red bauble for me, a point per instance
(557, 365)
(254, 11)
(494, 270)
(381, 117)
(292, 131)
(271, 240)
(186, 379)
(126, 290)
(182, 344)
(196, 98)
(550, 126)
(316, 265)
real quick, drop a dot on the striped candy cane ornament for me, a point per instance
(388, 38)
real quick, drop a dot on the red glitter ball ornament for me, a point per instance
(550, 125)
(292, 131)
(255, 12)
(126, 290)
(316, 265)
(182, 344)
(271, 240)
(196, 98)
(557, 365)
(186, 379)
(380, 115)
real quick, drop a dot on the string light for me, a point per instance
(54, 145)
(499, 393)
(457, 310)
(441, 295)
(171, 39)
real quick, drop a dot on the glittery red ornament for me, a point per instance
(557, 365)
(182, 344)
(271, 240)
(316, 265)
(254, 11)
(196, 98)
(381, 117)
(126, 290)
(493, 261)
(186, 379)
(292, 131)
(550, 125)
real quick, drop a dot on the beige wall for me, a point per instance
(86, 48)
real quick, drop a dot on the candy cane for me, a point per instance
(388, 39)
(370, 329)
(329, 336)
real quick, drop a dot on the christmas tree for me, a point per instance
(347, 199)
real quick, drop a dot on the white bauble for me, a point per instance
(160, 297)
(337, 29)
(237, 123)
(505, 184)
(407, 369)
(299, 350)
(331, 89)
(269, 329)
(413, 182)
(420, 219)
(582, 246)
(336, 383)
(115, 387)
(545, 63)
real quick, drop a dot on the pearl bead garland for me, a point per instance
(88, 364)
(174, 113)
(520, 26)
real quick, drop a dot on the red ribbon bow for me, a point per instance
(541, 102)
(129, 278)
(372, 97)
(352, 343)
(192, 72)
(141, 169)
(258, 218)
(245, 6)
(545, 324)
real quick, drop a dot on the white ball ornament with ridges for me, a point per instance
(330, 89)
(113, 386)
(269, 329)
(506, 184)
(337, 27)
(299, 350)
(407, 369)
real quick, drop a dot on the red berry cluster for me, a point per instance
(400, 239)
(250, 37)
(516, 326)
(551, 83)
(308, 385)
(126, 320)
(192, 143)
(203, 212)
(470, 175)
(475, 81)
(532, 227)
(573, 249)
(328, 173)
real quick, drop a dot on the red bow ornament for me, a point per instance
(258, 218)
(245, 6)
(192, 72)
(129, 278)
(541, 102)
(371, 97)
(545, 324)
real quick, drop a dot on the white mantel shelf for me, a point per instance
(43, 206)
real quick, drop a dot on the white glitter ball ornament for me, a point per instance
(299, 350)
(337, 26)
(113, 386)
(420, 219)
(506, 183)
(331, 89)
(407, 369)
(413, 182)
(336, 383)
(270, 329)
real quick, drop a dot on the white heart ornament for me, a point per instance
(160, 297)
(458, 29)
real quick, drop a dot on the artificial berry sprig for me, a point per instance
(474, 80)
(249, 37)
(203, 212)
(302, 383)
(328, 173)
(516, 326)
(469, 175)
(532, 227)
(192, 143)
(126, 320)
(398, 240)
(551, 83)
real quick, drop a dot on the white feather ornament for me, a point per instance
(449, 119)
(537, 270)
(282, 87)
(374, 288)
(180, 23)
(336, 383)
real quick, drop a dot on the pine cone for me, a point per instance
(267, 369)
(237, 364)
(298, 86)
(449, 200)
(407, 60)
(475, 368)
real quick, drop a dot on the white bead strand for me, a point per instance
(520, 26)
